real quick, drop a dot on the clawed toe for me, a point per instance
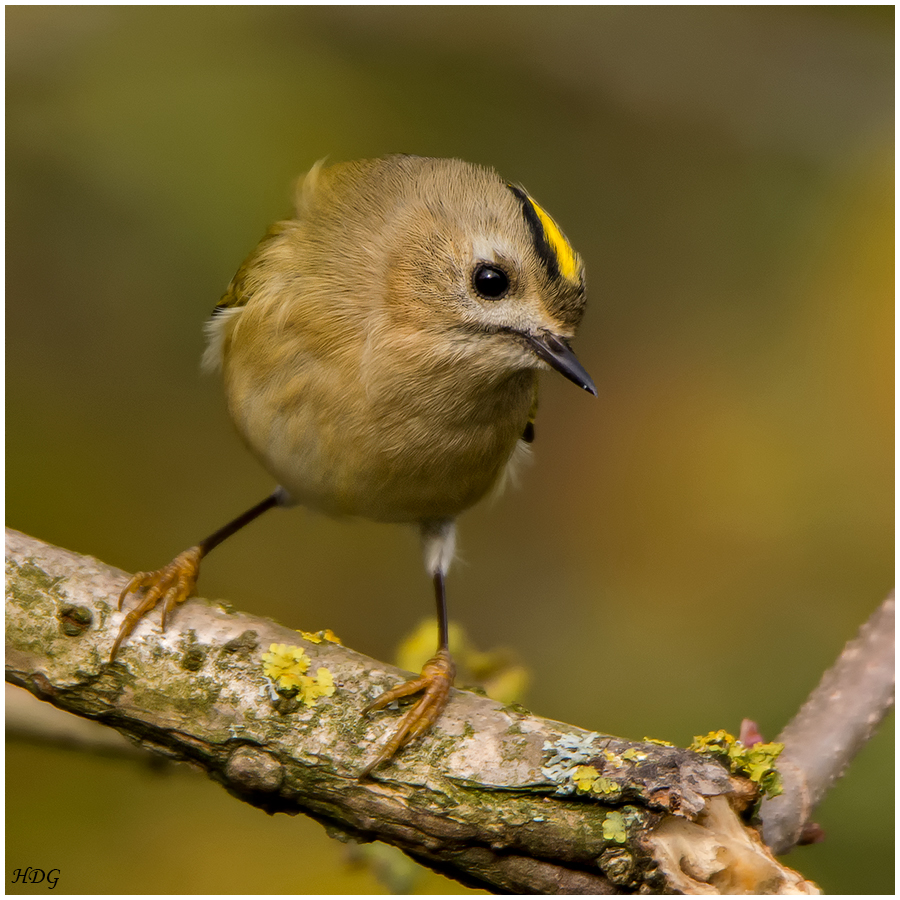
(435, 683)
(172, 584)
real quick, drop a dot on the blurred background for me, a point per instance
(694, 547)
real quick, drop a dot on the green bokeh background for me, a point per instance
(692, 548)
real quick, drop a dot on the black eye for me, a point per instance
(490, 282)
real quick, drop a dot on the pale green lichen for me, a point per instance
(614, 827)
(588, 780)
(564, 755)
(632, 754)
(568, 766)
(756, 762)
(36, 577)
(604, 785)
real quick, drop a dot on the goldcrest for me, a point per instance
(380, 353)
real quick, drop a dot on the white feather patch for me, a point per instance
(438, 545)
(216, 329)
(520, 457)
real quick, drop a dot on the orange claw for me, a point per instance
(436, 680)
(172, 584)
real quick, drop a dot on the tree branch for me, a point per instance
(834, 724)
(30, 721)
(487, 797)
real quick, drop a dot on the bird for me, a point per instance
(380, 352)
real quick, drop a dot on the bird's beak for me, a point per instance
(558, 355)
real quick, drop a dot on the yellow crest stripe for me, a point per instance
(565, 255)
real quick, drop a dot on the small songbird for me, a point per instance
(380, 353)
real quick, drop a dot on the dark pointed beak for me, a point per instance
(558, 355)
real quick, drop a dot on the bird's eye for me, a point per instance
(490, 282)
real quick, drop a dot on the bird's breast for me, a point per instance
(422, 438)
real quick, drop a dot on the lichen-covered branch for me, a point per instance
(32, 722)
(834, 724)
(493, 796)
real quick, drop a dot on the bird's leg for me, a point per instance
(434, 683)
(174, 583)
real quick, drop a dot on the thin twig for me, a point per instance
(834, 724)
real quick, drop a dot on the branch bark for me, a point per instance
(834, 724)
(487, 797)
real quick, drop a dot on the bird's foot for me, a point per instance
(172, 585)
(435, 682)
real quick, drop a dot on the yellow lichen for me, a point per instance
(584, 777)
(604, 785)
(316, 637)
(588, 780)
(614, 827)
(756, 763)
(286, 666)
(313, 688)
